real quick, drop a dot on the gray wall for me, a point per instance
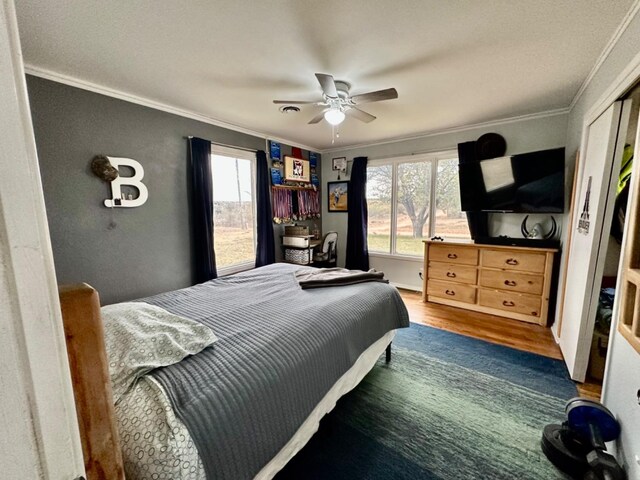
(521, 136)
(149, 251)
(622, 378)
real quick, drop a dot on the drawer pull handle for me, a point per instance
(452, 255)
(450, 292)
(511, 261)
(510, 283)
(451, 275)
(508, 303)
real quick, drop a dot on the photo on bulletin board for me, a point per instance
(297, 170)
(338, 196)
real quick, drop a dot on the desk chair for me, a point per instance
(328, 254)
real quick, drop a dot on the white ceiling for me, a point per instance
(454, 63)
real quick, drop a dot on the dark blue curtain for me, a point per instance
(265, 249)
(470, 168)
(202, 209)
(357, 250)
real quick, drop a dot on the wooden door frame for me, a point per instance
(40, 430)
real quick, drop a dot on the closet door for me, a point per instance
(592, 221)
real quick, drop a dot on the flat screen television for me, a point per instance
(527, 183)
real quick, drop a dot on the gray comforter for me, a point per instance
(280, 350)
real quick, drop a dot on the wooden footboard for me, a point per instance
(91, 383)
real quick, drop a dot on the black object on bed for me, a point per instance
(280, 350)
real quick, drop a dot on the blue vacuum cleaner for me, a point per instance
(577, 447)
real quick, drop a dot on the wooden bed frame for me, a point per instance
(89, 367)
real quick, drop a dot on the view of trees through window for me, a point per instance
(413, 206)
(233, 212)
(451, 221)
(379, 181)
(411, 184)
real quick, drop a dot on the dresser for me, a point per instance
(507, 281)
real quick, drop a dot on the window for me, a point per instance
(411, 199)
(379, 206)
(234, 215)
(450, 220)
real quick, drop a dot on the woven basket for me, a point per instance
(297, 255)
(296, 230)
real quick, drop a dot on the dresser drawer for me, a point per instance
(511, 281)
(453, 254)
(513, 260)
(452, 291)
(453, 273)
(510, 301)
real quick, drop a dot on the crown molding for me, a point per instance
(633, 11)
(147, 102)
(461, 128)
(127, 97)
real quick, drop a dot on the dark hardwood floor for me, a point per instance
(520, 335)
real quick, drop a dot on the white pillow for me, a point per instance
(140, 337)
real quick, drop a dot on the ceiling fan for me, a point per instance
(338, 103)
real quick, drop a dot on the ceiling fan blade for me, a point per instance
(318, 117)
(294, 102)
(328, 85)
(360, 114)
(377, 96)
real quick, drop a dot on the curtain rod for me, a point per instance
(228, 146)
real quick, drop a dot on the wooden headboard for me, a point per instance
(91, 383)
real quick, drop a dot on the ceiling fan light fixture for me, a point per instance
(334, 116)
(336, 102)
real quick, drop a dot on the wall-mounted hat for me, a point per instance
(102, 168)
(490, 145)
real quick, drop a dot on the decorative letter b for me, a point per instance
(135, 181)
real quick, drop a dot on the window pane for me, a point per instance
(450, 221)
(232, 211)
(379, 180)
(413, 197)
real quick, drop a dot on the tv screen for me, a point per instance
(526, 183)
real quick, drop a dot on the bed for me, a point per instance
(242, 407)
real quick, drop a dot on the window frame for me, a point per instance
(240, 154)
(433, 158)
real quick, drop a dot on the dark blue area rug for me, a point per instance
(446, 407)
